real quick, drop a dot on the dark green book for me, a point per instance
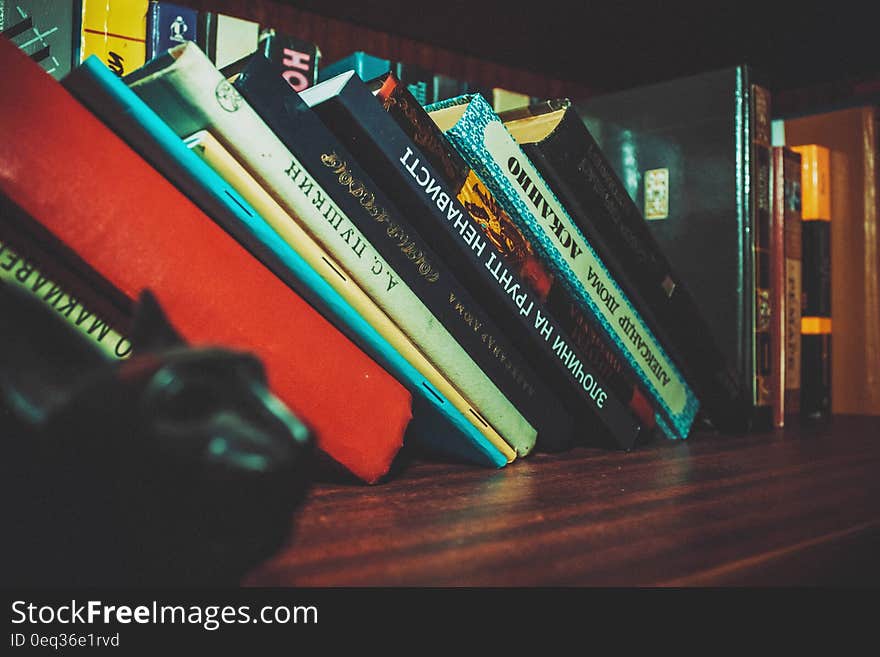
(694, 156)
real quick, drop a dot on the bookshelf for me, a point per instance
(794, 507)
(799, 506)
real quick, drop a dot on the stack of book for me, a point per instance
(481, 282)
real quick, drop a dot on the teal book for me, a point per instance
(476, 131)
(436, 423)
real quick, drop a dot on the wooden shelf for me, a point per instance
(793, 507)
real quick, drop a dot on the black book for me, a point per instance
(337, 171)
(693, 154)
(347, 106)
(297, 59)
(558, 143)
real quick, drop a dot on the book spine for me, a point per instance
(215, 155)
(816, 326)
(793, 281)
(761, 207)
(393, 238)
(579, 173)
(191, 95)
(485, 143)
(297, 60)
(518, 253)
(386, 151)
(21, 269)
(154, 30)
(116, 32)
(776, 284)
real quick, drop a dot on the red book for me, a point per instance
(85, 189)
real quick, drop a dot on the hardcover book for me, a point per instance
(421, 83)
(460, 433)
(517, 253)
(558, 143)
(46, 30)
(785, 252)
(298, 60)
(481, 138)
(694, 156)
(410, 256)
(226, 39)
(188, 92)
(115, 31)
(851, 135)
(247, 212)
(169, 245)
(816, 321)
(169, 25)
(27, 266)
(347, 107)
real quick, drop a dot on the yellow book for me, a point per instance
(116, 32)
(206, 146)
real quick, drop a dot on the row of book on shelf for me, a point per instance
(485, 282)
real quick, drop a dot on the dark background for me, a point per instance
(614, 45)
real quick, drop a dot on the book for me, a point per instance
(517, 253)
(786, 269)
(116, 32)
(226, 39)
(27, 266)
(298, 59)
(464, 435)
(422, 83)
(249, 214)
(189, 94)
(851, 136)
(46, 30)
(693, 155)
(358, 411)
(349, 109)
(168, 25)
(446, 301)
(561, 147)
(481, 138)
(816, 320)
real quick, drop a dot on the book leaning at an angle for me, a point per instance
(480, 136)
(346, 106)
(392, 236)
(111, 215)
(269, 233)
(190, 94)
(482, 443)
(561, 147)
(586, 342)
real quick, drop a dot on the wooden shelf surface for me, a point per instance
(793, 507)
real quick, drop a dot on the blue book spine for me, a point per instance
(366, 66)
(115, 104)
(632, 339)
(169, 25)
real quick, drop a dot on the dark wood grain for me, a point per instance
(800, 506)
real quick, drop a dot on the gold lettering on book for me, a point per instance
(367, 199)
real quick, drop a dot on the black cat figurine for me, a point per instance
(176, 466)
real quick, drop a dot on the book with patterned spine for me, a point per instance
(474, 128)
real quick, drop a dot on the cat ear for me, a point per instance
(151, 330)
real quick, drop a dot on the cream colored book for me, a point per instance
(206, 146)
(190, 94)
